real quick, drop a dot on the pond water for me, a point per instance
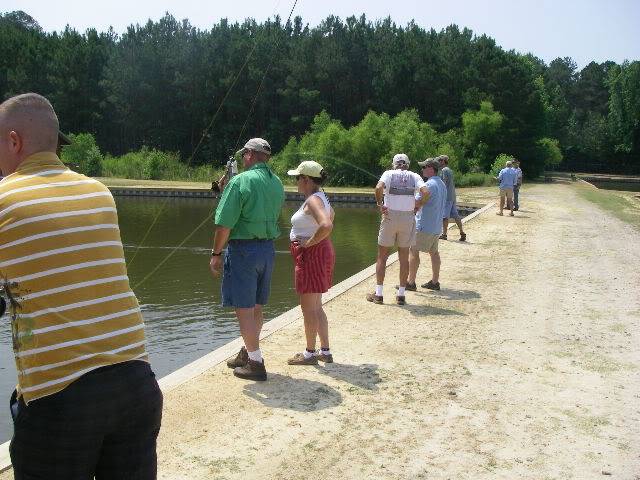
(180, 300)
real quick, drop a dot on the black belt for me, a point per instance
(241, 240)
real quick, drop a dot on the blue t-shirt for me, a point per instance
(508, 177)
(447, 177)
(429, 217)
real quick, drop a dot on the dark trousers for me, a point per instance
(516, 191)
(104, 424)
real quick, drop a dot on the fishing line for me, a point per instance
(202, 139)
(148, 232)
(175, 249)
(253, 103)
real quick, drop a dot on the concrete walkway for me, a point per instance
(525, 365)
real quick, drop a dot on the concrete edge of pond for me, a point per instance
(199, 366)
(211, 359)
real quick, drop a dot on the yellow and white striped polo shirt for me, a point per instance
(62, 265)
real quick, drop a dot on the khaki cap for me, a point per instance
(308, 168)
(257, 145)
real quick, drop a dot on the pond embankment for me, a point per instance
(524, 365)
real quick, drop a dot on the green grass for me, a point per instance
(623, 205)
(131, 182)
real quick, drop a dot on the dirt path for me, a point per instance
(525, 365)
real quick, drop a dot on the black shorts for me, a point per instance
(105, 424)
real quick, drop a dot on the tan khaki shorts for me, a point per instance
(426, 242)
(506, 193)
(397, 228)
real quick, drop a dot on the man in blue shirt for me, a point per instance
(428, 226)
(507, 178)
(450, 208)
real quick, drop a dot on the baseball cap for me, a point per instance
(424, 162)
(430, 162)
(400, 158)
(308, 168)
(257, 145)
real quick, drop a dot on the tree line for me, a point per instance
(170, 86)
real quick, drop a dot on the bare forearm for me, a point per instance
(321, 233)
(220, 238)
(379, 195)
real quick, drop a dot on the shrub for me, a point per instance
(499, 164)
(474, 180)
(151, 164)
(548, 149)
(93, 163)
(83, 154)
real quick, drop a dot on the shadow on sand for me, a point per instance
(450, 294)
(362, 376)
(293, 393)
(424, 310)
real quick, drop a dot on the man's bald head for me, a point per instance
(28, 125)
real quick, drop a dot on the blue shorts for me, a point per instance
(451, 210)
(246, 279)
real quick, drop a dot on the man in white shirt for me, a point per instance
(397, 226)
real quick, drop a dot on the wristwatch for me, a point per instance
(214, 254)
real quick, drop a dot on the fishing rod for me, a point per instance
(231, 169)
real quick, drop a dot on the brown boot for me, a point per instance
(400, 300)
(298, 359)
(372, 297)
(326, 358)
(252, 371)
(431, 286)
(241, 359)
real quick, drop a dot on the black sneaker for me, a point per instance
(463, 237)
(241, 359)
(400, 300)
(251, 371)
(431, 286)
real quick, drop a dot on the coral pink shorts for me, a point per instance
(313, 266)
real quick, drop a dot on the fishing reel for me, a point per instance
(231, 170)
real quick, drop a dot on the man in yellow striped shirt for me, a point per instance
(87, 402)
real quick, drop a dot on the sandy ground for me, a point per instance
(525, 365)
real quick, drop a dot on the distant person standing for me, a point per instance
(451, 209)
(247, 217)
(314, 259)
(507, 179)
(428, 226)
(395, 197)
(516, 187)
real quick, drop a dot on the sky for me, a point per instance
(585, 30)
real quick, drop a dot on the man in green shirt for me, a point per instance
(247, 218)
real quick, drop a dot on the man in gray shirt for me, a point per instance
(450, 208)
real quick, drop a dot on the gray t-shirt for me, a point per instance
(447, 177)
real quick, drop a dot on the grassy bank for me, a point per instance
(624, 205)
